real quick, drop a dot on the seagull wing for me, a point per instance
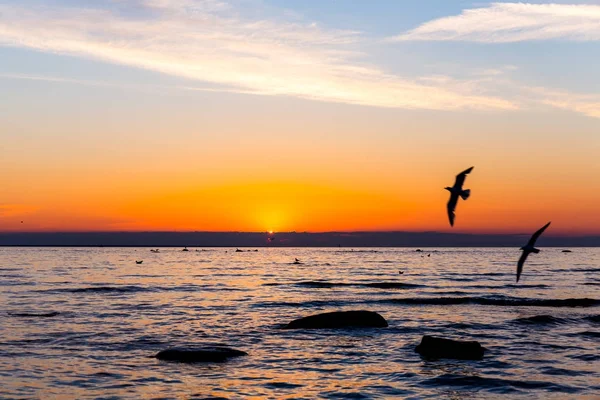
(520, 264)
(536, 235)
(451, 206)
(460, 178)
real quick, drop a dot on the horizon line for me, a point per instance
(267, 233)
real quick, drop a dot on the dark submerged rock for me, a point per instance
(435, 348)
(339, 319)
(208, 354)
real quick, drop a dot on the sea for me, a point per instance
(86, 323)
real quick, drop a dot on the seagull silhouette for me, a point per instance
(456, 191)
(528, 248)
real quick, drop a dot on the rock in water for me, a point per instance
(434, 348)
(339, 319)
(208, 354)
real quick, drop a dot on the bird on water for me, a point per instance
(456, 191)
(529, 248)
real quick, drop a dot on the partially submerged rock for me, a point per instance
(339, 319)
(207, 354)
(435, 348)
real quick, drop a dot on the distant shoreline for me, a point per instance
(284, 239)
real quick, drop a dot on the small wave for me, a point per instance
(315, 304)
(471, 325)
(320, 284)
(457, 279)
(577, 270)
(562, 371)
(526, 286)
(135, 289)
(34, 315)
(479, 274)
(592, 283)
(541, 320)
(504, 385)
(357, 251)
(593, 318)
(282, 385)
(104, 374)
(327, 284)
(586, 357)
(589, 334)
(392, 285)
(507, 286)
(100, 289)
(504, 301)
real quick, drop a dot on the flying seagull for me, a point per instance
(456, 191)
(528, 248)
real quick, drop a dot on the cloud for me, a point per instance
(208, 41)
(513, 22)
(585, 104)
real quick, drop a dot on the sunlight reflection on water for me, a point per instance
(115, 314)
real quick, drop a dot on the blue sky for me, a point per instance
(97, 41)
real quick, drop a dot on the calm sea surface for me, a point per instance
(542, 335)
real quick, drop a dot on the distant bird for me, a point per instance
(296, 261)
(455, 192)
(400, 272)
(139, 262)
(528, 248)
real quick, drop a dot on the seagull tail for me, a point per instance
(534, 250)
(465, 194)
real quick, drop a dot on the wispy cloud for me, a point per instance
(141, 87)
(585, 104)
(208, 41)
(513, 22)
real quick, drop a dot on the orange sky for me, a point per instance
(307, 170)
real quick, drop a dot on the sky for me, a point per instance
(298, 115)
